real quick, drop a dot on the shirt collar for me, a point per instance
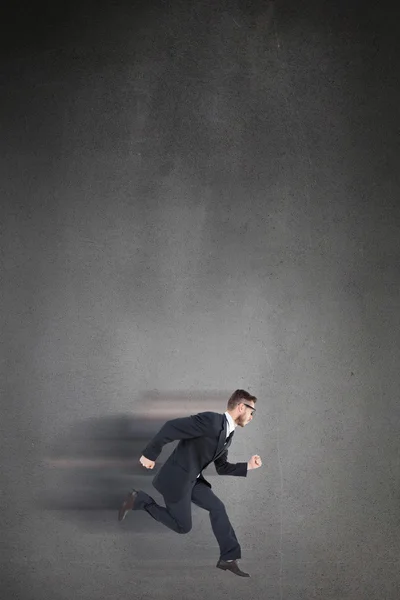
(231, 423)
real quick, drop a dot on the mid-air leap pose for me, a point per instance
(204, 438)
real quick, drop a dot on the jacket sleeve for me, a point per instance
(223, 467)
(179, 429)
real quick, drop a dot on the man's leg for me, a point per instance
(204, 497)
(177, 515)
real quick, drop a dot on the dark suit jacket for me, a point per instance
(202, 440)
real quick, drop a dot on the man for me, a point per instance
(204, 438)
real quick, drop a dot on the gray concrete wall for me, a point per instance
(201, 197)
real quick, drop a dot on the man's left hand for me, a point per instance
(255, 462)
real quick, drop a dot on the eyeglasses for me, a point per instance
(253, 410)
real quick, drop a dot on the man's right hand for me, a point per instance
(149, 464)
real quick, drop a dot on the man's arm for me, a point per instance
(179, 429)
(223, 467)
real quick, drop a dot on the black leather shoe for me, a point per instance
(127, 505)
(231, 566)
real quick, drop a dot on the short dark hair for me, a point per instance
(239, 396)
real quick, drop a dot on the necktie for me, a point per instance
(229, 437)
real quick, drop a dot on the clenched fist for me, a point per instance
(149, 464)
(254, 462)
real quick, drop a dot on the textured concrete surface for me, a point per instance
(204, 196)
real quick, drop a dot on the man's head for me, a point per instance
(240, 406)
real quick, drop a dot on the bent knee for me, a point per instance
(185, 528)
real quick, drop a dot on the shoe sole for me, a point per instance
(233, 572)
(123, 511)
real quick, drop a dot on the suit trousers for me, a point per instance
(178, 516)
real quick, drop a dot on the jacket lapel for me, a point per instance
(221, 439)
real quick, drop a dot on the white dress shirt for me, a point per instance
(231, 423)
(231, 427)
